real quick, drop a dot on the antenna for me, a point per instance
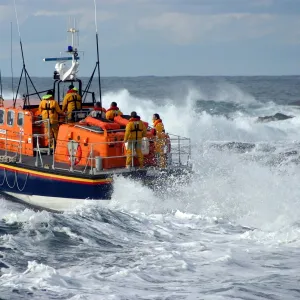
(86, 91)
(98, 62)
(62, 71)
(27, 77)
(11, 62)
(74, 36)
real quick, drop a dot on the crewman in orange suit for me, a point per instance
(1, 101)
(50, 109)
(134, 132)
(160, 140)
(113, 111)
(72, 102)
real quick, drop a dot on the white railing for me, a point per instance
(181, 150)
(11, 143)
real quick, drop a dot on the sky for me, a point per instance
(155, 37)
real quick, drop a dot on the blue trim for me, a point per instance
(35, 185)
(59, 58)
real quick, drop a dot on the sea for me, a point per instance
(231, 232)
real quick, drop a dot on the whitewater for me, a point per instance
(232, 232)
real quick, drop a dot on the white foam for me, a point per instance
(28, 217)
(228, 92)
(231, 187)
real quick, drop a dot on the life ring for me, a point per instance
(77, 156)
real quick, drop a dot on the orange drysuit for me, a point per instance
(134, 132)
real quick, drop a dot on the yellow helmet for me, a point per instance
(45, 97)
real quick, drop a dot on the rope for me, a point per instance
(3, 178)
(16, 180)
(17, 19)
(7, 181)
(95, 16)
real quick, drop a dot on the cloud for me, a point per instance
(265, 3)
(183, 29)
(84, 17)
(7, 13)
(161, 30)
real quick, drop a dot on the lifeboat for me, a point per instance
(59, 164)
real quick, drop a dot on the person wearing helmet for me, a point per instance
(71, 87)
(72, 102)
(50, 109)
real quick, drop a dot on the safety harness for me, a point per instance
(48, 108)
(136, 127)
(74, 100)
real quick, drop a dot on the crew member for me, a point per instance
(72, 102)
(160, 140)
(1, 101)
(98, 111)
(113, 111)
(50, 109)
(134, 132)
(71, 87)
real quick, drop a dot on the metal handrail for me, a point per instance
(180, 149)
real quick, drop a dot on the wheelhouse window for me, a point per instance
(2, 116)
(20, 120)
(10, 117)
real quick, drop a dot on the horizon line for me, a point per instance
(164, 76)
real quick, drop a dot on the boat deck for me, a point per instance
(46, 162)
(34, 163)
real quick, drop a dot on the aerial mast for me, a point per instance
(98, 61)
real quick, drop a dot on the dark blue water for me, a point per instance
(279, 89)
